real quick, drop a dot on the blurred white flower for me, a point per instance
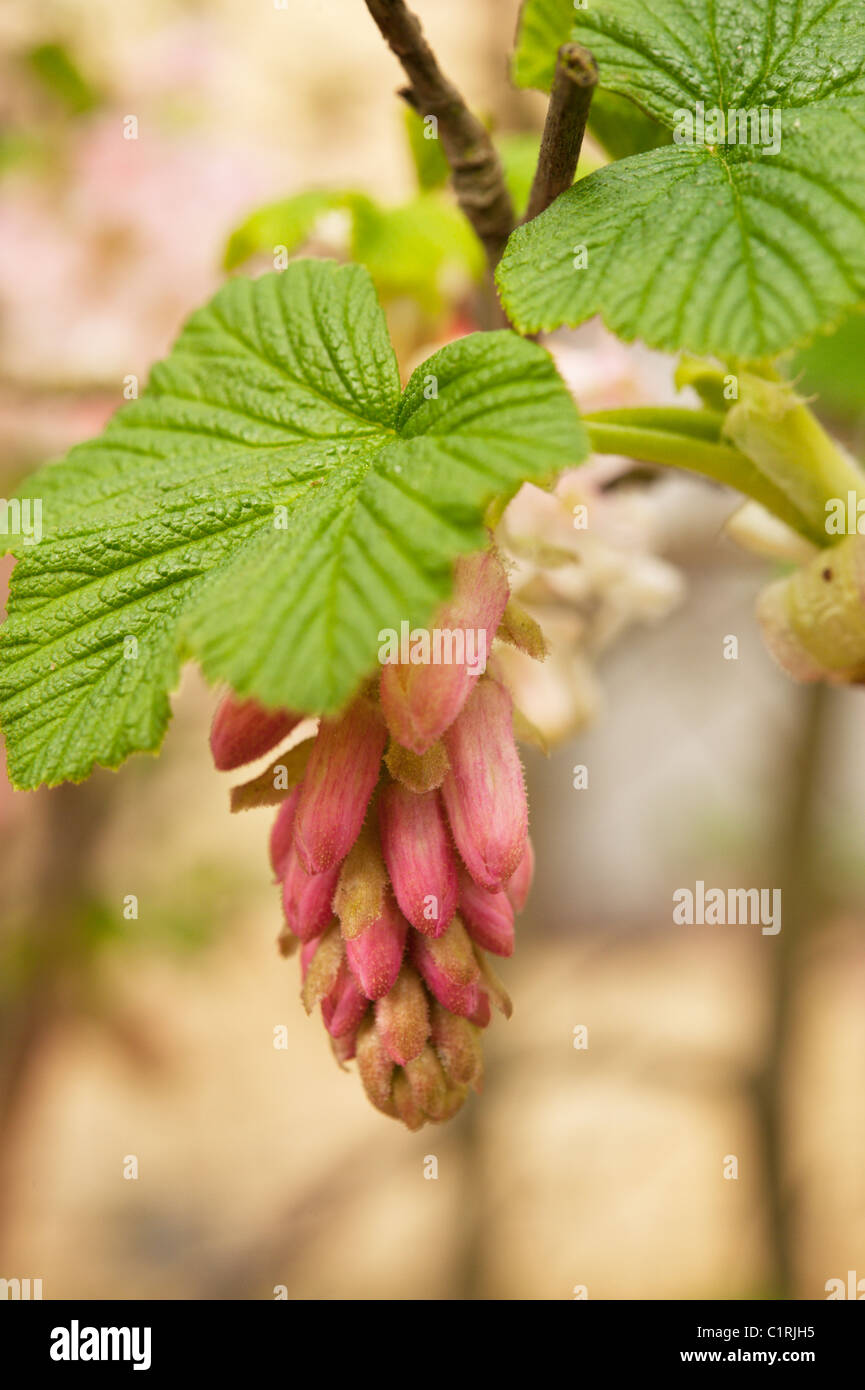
(583, 557)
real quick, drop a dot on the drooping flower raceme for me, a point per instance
(403, 854)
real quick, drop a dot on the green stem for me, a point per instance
(797, 871)
(682, 438)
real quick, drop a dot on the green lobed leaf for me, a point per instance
(724, 248)
(269, 504)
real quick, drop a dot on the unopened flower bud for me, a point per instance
(307, 955)
(780, 635)
(345, 1005)
(306, 898)
(449, 967)
(419, 857)
(407, 1107)
(458, 1044)
(375, 1066)
(344, 1048)
(489, 917)
(812, 620)
(484, 792)
(402, 1017)
(454, 1100)
(519, 884)
(282, 832)
(375, 956)
(340, 778)
(243, 731)
(420, 701)
(427, 1082)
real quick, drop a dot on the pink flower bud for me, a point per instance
(402, 1017)
(243, 731)
(449, 967)
(484, 792)
(340, 778)
(282, 833)
(520, 882)
(344, 1007)
(376, 955)
(421, 700)
(419, 857)
(489, 917)
(306, 898)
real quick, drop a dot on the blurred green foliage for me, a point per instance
(57, 72)
(832, 368)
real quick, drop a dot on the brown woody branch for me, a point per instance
(477, 175)
(573, 88)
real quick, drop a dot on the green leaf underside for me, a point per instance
(726, 250)
(282, 393)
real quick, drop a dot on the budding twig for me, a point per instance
(573, 87)
(478, 179)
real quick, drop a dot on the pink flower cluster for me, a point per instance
(403, 854)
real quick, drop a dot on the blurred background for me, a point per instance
(599, 1167)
